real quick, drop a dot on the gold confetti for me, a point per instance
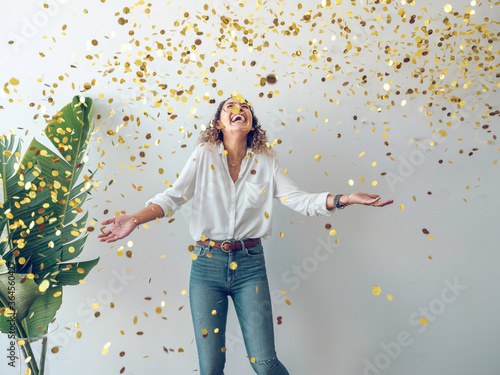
(44, 285)
(376, 290)
(423, 321)
(233, 265)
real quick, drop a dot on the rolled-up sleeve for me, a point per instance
(290, 195)
(181, 191)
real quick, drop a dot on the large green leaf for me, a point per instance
(72, 273)
(43, 310)
(72, 249)
(7, 166)
(71, 231)
(10, 181)
(69, 133)
(18, 290)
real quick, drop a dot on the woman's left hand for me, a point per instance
(365, 199)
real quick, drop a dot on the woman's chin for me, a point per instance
(241, 126)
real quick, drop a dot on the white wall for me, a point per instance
(335, 324)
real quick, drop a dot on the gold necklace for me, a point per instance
(234, 165)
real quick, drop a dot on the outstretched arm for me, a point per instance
(161, 204)
(358, 198)
(123, 225)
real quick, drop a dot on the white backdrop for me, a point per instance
(410, 87)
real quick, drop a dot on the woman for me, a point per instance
(232, 177)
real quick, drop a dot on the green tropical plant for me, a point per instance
(42, 224)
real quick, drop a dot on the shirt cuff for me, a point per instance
(321, 205)
(160, 203)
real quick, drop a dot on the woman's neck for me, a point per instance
(236, 149)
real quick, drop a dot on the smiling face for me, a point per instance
(235, 117)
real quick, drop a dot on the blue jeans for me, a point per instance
(241, 274)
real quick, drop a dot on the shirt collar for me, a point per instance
(221, 149)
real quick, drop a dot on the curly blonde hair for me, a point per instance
(256, 139)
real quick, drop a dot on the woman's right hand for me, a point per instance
(121, 227)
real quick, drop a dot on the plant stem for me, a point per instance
(27, 352)
(43, 355)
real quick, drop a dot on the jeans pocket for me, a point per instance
(256, 251)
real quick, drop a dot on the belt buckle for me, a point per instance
(222, 246)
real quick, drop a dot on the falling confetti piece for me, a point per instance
(389, 297)
(233, 265)
(376, 290)
(44, 285)
(272, 79)
(423, 321)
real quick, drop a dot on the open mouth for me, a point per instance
(238, 118)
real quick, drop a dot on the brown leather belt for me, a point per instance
(228, 246)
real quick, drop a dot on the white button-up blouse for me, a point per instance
(223, 209)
